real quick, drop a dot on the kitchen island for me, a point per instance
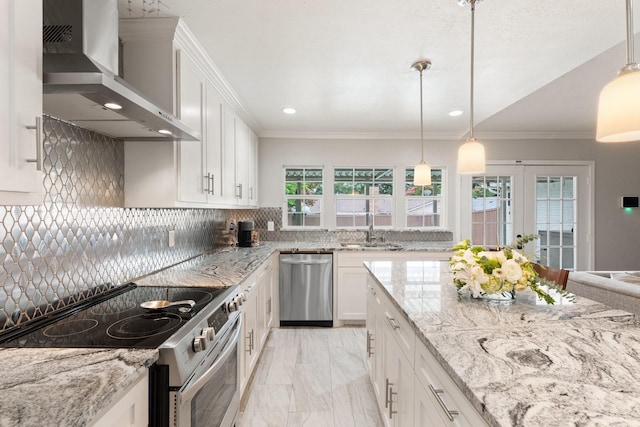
(525, 363)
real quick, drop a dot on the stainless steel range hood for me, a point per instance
(80, 64)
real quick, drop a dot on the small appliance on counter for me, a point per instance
(245, 231)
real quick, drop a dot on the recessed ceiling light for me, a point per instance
(289, 110)
(165, 132)
(113, 106)
(455, 113)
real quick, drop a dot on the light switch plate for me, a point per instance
(270, 226)
(172, 238)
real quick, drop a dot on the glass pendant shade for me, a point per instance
(619, 109)
(422, 174)
(471, 157)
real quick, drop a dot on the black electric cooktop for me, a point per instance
(114, 320)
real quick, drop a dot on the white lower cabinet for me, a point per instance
(411, 387)
(351, 280)
(398, 382)
(450, 406)
(256, 319)
(250, 351)
(130, 410)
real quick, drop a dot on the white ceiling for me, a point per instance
(345, 64)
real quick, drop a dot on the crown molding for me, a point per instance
(434, 136)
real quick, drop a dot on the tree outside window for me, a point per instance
(303, 193)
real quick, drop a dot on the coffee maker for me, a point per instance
(245, 230)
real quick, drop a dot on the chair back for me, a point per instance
(558, 275)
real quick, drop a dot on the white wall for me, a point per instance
(617, 173)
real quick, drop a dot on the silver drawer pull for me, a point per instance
(392, 321)
(39, 146)
(391, 394)
(436, 392)
(386, 392)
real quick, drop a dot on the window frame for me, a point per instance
(442, 200)
(287, 197)
(391, 198)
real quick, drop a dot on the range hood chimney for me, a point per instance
(80, 75)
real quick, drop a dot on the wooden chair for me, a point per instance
(557, 275)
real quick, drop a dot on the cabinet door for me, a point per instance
(229, 157)
(267, 286)
(399, 378)
(374, 343)
(252, 172)
(21, 102)
(191, 86)
(249, 339)
(242, 162)
(352, 285)
(426, 413)
(131, 409)
(214, 137)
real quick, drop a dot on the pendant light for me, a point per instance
(471, 153)
(422, 171)
(619, 105)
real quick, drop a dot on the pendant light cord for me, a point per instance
(472, 3)
(630, 35)
(421, 124)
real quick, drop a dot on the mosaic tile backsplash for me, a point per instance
(81, 238)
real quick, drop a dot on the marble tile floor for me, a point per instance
(312, 377)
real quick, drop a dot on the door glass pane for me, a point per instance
(491, 222)
(556, 220)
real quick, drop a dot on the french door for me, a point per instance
(553, 201)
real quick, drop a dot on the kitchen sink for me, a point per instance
(370, 245)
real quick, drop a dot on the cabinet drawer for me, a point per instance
(452, 405)
(401, 329)
(355, 259)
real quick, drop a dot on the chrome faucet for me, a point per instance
(370, 230)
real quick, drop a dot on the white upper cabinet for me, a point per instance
(21, 149)
(191, 110)
(163, 59)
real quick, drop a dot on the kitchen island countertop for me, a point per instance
(525, 363)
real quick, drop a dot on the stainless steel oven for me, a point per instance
(211, 397)
(194, 382)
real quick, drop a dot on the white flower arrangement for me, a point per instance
(481, 271)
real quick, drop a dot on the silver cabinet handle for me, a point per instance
(436, 392)
(387, 385)
(391, 394)
(269, 306)
(212, 185)
(239, 192)
(207, 181)
(250, 193)
(39, 146)
(392, 321)
(250, 342)
(370, 340)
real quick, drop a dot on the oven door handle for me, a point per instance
(188, 393)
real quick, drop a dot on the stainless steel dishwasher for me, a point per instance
(306, 289)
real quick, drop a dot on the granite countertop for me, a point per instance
(65, 387)
(231, 265)
(525, 363)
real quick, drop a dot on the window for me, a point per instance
(303, 193)
(424, 203)
(364, 196)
